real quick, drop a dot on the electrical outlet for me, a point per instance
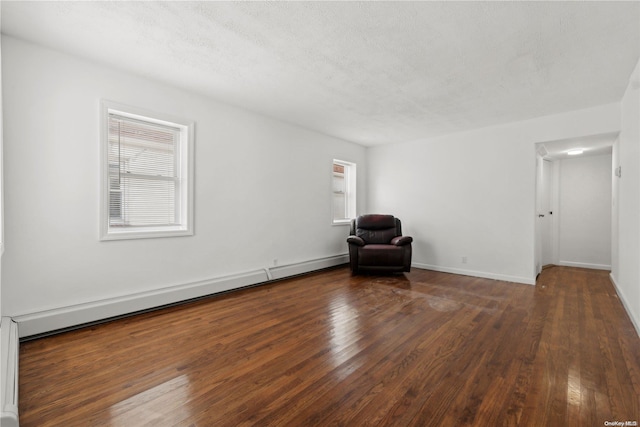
(464, 259)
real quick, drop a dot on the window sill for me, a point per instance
(132, 234)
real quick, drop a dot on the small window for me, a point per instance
(148, 174)
(344, 191)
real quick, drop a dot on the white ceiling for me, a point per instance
(368, 72)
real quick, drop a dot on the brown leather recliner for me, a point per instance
(376, 243)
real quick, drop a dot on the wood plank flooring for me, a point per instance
(419, 349)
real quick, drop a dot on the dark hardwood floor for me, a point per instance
(420, 349)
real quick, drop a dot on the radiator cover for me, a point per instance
(9, 391)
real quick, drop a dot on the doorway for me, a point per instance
(573, 202)
(544, 213)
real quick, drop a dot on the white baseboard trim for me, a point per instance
(70, 316)
(473, 273)
(584, 265)
(625, 304)
(9, 346)
(283, 271)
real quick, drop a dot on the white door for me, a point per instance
(544, 214)
(545, 209)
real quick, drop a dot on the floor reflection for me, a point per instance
(345, 331)
(155, 405)
(574, 387)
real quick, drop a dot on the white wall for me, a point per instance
(472, 194)
(615, 231)
(584, 213)
(1, 176)
(626, 268)
(262, 188)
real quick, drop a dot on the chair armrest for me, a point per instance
(355, 240)
(401, 240)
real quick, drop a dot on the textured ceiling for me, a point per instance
(368, 72)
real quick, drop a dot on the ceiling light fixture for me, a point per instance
(575, 152)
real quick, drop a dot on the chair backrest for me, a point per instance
(375, 228)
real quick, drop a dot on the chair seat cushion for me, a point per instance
(380, 255)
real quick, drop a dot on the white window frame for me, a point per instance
(349, 192)
(184, 163)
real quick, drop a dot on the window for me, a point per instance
(147, 162)
(344, 191)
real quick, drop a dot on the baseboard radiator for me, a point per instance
(63, 318)
(9, 376)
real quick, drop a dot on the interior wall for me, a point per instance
(626, 269)
(262, 187)
(1, 175)
(584, 213)
(615, 230)
(471, 196)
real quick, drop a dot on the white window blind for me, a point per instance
(344, 191)
(143, 173)
(339, 193)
